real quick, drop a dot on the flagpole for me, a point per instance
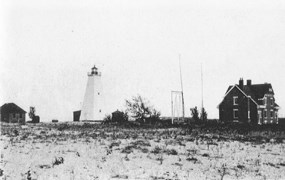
(183, 110)
(202, 92)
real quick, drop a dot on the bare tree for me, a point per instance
(139, 108)
(32, 112)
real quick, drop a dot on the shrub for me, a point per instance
(160, 159)
(127, 149)
(195, 113)
(171, 152)
(114, 144)
(205, 155)
(16, 132)
(58, 161)
(140, 143)
(107, 119)
(192, 159)
(203, 115)
(144, 150)
(156, 150)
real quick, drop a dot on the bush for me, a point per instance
(127, 149)
(144, 150)
(156, 150)
(139, 143)
(141, 111)
(171, 152)
(114, 144)
(107, 119)
(195, 113)
(58, 161)
(63, 127)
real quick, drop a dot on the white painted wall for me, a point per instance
(93, 102)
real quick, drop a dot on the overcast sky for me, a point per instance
(47, 48)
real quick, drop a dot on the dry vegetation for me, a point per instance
(90, 151)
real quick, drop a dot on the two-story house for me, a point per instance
(250, 103)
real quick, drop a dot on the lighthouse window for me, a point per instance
(99, 110)
(98, 93)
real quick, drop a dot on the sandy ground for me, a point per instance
(48, 152)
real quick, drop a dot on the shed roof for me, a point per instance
(11, 108)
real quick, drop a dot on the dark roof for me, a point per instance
(117, 112)
(11, 108)
(256, 91)
(230, 87)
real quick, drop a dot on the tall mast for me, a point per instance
(202, 91)
(172, 112)
(183, 110)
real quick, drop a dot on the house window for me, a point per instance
(21, 116)
(271, 101)
(265, 101)
(271, 114)
(235, 113)
(235, 98)
(14, 115)
(259, 117)
(265, 113)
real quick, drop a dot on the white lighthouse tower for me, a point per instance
(92, 108)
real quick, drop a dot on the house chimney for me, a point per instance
(240, 83)
(248, 82)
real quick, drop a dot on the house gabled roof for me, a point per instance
(229, 88)
(236, 86)
(11, 108)
(258, 91)
(255, 91)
